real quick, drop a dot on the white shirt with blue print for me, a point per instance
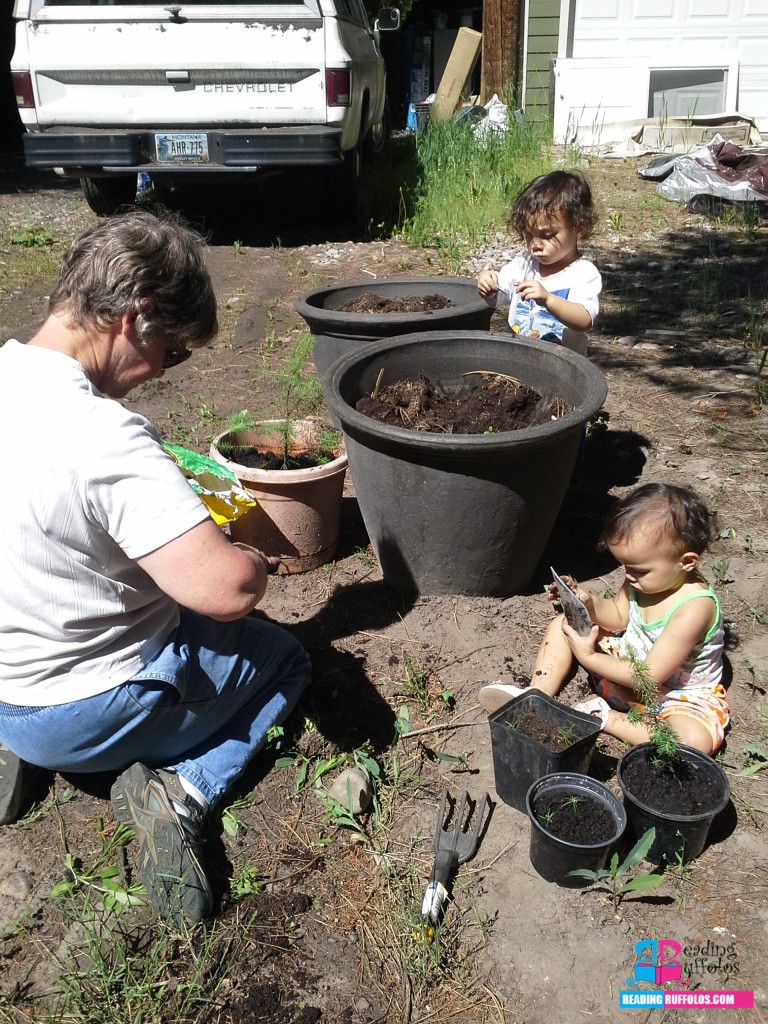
(579, 282)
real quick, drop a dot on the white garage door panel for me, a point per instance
(698, 9)
(709, 32)
(659, 46)
(754, 52)
(607, 45)
(651, 9)
(600, 9)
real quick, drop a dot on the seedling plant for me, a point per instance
(299, 394)
(664, 739)
(613, 875)
(102, 877)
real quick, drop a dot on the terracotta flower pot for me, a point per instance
(298, 511)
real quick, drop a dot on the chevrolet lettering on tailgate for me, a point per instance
(265, 87)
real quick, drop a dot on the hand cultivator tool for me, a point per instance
(453, 846)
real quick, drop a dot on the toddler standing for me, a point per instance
(552, 291)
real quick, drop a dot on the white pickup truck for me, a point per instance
(108, 89)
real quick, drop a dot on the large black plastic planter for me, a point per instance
(553, 857)
(679, 837)
(337, 333)
(462, 513)
(519, 760)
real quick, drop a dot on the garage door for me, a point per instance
(681, 58)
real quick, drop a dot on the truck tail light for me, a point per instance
(337, 87)
(22, 87)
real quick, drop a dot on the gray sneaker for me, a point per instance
(11, 785)
(168, 825)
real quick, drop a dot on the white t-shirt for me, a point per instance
(87, 489)
(579, 282)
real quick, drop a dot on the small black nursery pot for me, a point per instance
(575, 822)
(566, 739)
(680, 800)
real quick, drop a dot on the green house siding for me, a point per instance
(543, 29)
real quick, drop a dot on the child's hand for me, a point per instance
(533, 290)
(583, 595)
(487, 283)
(582, 647)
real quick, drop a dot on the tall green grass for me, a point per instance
(466, 187)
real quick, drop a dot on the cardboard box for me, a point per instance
(458, 69)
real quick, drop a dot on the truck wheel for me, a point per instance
(345, 188)
(106, 196)
(377, 137)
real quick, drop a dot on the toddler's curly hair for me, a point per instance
(565, 192)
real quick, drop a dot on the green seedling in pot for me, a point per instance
(613, 875)
(565, 736)
(300, 395)
(664, 739)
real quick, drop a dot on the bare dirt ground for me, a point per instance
(317, 921)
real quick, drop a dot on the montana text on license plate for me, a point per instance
(182, 148)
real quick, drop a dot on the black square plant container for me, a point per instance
(519, 760)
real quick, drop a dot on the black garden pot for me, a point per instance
(554, 857)
(519, 760)
(680, 835)
(337, 333)
(462, 513)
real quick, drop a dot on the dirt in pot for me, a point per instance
(678, 787)
(575, 819)
(253, 458)
(493, 403)
(553, 737)
(370, 302)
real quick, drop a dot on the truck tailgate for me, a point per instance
(271, 75)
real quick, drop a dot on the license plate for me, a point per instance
(181, 148)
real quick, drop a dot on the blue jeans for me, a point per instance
(202, 707)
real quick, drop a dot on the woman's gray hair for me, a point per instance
(135, 256)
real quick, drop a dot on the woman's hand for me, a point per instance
(270, 562)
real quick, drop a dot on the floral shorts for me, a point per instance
(707, 704)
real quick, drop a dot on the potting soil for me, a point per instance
(490, 404)
(255, 459)
(680, 788)
(369, 302)
(549, 735)
(582, 820)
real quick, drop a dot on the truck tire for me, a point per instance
(345, 186)
(378, 136)
(106, 196)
